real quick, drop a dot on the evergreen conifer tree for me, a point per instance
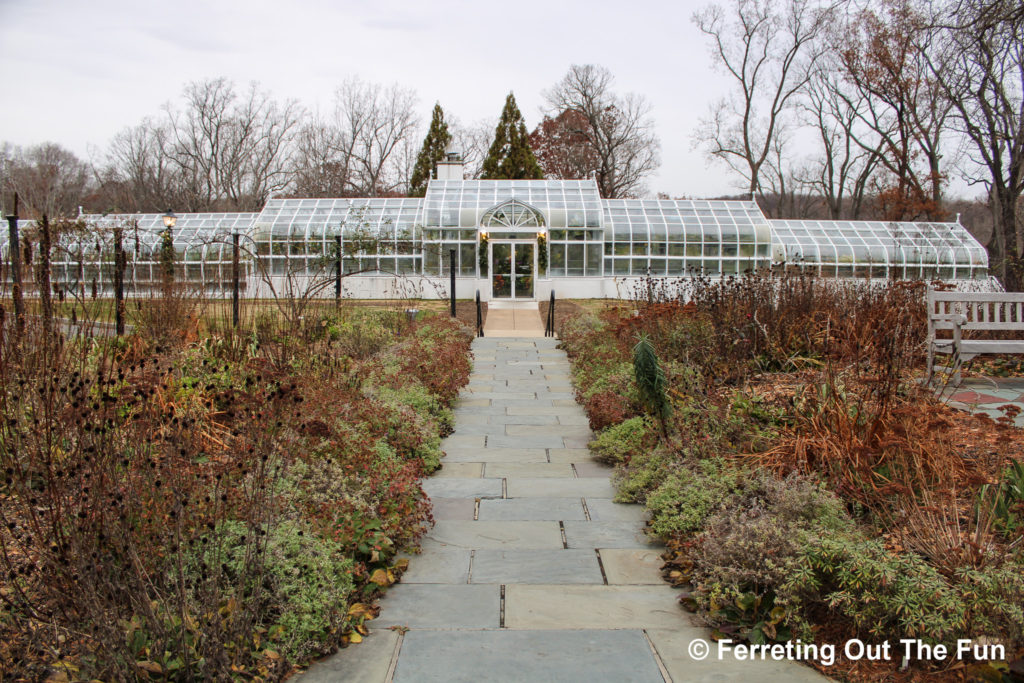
(433, 151)
(510, 156)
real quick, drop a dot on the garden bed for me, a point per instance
(805, 483)
(188, 504)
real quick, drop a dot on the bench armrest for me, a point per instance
(955, 318)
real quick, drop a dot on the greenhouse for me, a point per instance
(506, 239)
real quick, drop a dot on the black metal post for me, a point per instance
(550, 331)
(15, 249)
(479, 316)
(120, 261)
(235, 280)
(451, 270)
(337, 271)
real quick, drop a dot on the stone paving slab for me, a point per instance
(532, 403)
(541, 410)
(459, 441)
(536, 566)
(554, 488)
(549, 430)
(628, 566)
(534, 509)
(466, 418)
(573, 455)
(605, 510)
(481, 455)
(672, 645)
(526, 469)
(523, 419)
(368, 662)
(460, 470)
(485, 429)
(591, 469)
(606, 535)
(443, 487)
(438, 563)
(498, 534)
(440, 606)
(526, 442)
(514, 657)
(453, 508)
(591, 607)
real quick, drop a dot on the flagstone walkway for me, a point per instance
(997, 397)
(532, 572)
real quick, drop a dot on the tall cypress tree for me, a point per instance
(510, 156)
(433, 150)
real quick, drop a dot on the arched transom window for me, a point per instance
(512, 214)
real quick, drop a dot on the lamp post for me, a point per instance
(167, 251)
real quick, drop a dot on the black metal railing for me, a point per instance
(549, 327)
(479, 316)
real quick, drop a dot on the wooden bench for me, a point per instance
(965, 311)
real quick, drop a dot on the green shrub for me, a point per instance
(688, 496)
(309, 579)
(618, 443)
(644, 472)
(900, 595)
(778, 554)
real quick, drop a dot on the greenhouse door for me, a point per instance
(512, 267)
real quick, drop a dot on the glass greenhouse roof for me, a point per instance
(879, 245)
(317, 218)
(190, 229)
(683, 220)
(461, 203)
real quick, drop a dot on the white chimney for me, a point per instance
(451, 167)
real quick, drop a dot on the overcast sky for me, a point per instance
(77, 72)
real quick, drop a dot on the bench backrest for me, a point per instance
(983, 310)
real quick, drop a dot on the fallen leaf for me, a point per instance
(381, 577)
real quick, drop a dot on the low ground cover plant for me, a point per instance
(805, 483)
(194, 503)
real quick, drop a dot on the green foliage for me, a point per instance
(434, 147)
(899, 595)
(650, 379)
(1008, 503)
(167, 254)
(690, 494)
(510, 156)
(309, 579)
(618, 443)
(644, 472)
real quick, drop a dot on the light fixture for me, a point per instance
(483, 234)
(170, 219)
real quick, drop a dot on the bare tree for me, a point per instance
(472, 141)
(769, 56)
(373, 125)
(885, 60)
(138, 176)
(841, 173)
(230, 152)
(49, 179)
(323, 165)
(981, 72)
(618, 128)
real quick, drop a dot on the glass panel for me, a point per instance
(575, 259)
(524, 271)
(501, 271)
